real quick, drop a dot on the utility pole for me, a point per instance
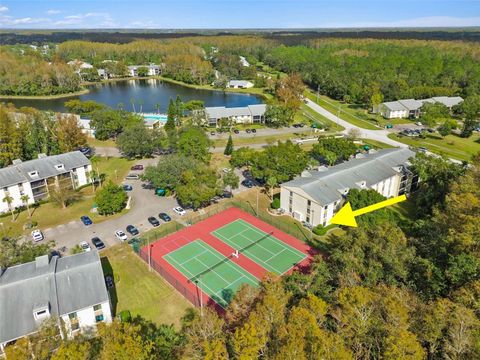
(149, 255)
(200, 296)
(257, 201)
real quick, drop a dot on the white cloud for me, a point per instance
(9, 21)
(52, 12)
(431, 21)
(87, 20)
(3, 8)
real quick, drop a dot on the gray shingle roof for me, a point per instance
(239, 83)
(411, 104)
(324, 186)
(218, 112)
(448, 101)
(394, 106)
(16, 174)
(67, 284)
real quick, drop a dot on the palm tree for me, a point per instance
(25, 198)
(140, 102)
(95, 160)
(8, 199)
(120, 106)
(271, 183)
(157, 106)
(132, 101)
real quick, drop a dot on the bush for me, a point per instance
(110, 199)
(319, 230)
(275, 204)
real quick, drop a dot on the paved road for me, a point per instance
(378, 135)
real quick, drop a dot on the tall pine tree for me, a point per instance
(229, 148)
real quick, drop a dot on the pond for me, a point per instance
(145, 94)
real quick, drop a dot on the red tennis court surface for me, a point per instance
(196, 273)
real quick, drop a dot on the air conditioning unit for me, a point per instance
(297, 215)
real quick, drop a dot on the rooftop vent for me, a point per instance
(60, 167)
(33, 174)
(41, 311)
(42, 156)
(16, 161)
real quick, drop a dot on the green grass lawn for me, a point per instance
(354, 114)
(307, 116)
(451, 146)
(49, 214)
(100, 143)
(141, 292)
(377, 144)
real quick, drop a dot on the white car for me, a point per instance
(227, 170)
(120, 235)
(179, 210)
(37, 235)
(85, 246)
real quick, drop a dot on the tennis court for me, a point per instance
(215, 274)
(263, 248)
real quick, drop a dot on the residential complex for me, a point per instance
(240, 115)
(36, 178)
(153, 69)
(315, 196)
(411, 108)
(239, 84)
(70, 290)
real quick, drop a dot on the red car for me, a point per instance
(137, 167)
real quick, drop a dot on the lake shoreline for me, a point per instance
(255, 92)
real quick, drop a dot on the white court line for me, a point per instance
(271, 257)
(174, 241)
(192, 258)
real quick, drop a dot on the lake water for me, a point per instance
(146, 92)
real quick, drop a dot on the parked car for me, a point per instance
(132, 177)
(132, 230)
(247, 183)
(86, 220)
(227, 170)
(212, 133)
(179, 210)
(85, 246)
(98, 243)
(153, 221)
(120, 235)
(137, 167)
(306, 224)
(248, 131)
(226, 195)
(422, 149)
(236, 131)
(127, 187)
(37, 235)
(85, 150)
(109, 281)
(165, 217)
(254, 130)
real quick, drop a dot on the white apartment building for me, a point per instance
(71, 289)
(317, 195)
(153, 69)
(240, 115)
(239, 84)
(411, 108)
(35, 178)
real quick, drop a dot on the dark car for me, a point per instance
(109, 281)
(164, 217)
(261, 181)
(247, 183)
(254, 130)
(127, 187)
(226, 195)
(236, 131)
(137, 167)
(98, 243)
(132, 230)
(153, 221)
(248, 131)
(86, 220)
(85, 150)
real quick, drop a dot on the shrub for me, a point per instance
(275, 204)
(319, 230)
(110, 199)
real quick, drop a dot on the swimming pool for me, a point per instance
(155, 117)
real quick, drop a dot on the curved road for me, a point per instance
(378, 135)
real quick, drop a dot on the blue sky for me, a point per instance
(181, 14)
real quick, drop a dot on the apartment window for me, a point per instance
(74, 325)
(98, 313)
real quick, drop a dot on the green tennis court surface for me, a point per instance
(272, 254)
(217, 276)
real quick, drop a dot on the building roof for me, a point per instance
(328, 186)
(411, 104)
(394, 106)
(448, 101)
(239, 83)
(66, 285)
(45, 166)
(218, 112)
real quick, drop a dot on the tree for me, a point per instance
(110, 199)
(157, 107)
(72, 350)
(231, 180)
(69, 133)
(194, 142)
(290, 91)
(283, 162)
(63, 196)
(229, 147)
(14, 252)
(362, 198)
(278, 116)
(197, 186)
(270, 184)
(432, 113)
(332, 148)
(470, 108)
(9, 200)
(109, 123)
(124, 341)
(25, 199)
(142, 71)
(242, 157)
(447, 127)
(136, 141)
(168, 171)
(170, 125)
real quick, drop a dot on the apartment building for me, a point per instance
(71, 289)
(36, 178)
(317, 195)
(240, 115)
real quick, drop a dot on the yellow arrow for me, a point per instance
(346, 216)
